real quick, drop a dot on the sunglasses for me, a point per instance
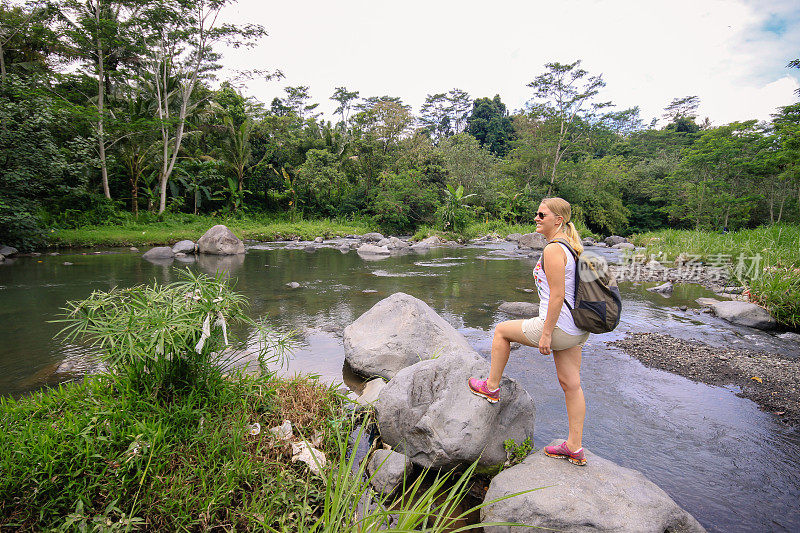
(540, 214)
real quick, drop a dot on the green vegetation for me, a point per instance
(766, 260)
(518, 452)
(184, 226)
(108, 142)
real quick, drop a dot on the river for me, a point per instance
(722, 459)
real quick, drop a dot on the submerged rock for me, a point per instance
(601, 496)
(397, 332)
(664, 288)
(219, 240)
(293, 285)
(372, 249)
(525, 309)
(428, 412)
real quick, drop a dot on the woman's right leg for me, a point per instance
(504, 334)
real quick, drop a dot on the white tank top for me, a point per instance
(565, 320)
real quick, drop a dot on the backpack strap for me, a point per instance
(566, 243)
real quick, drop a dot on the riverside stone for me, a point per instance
(664, 288)
(372, 237)
(535, 241)
(744, 314)
(159, 252)
(428, 413)
(387, 469)
(397, 332)
(219, 240)
(601, 496)
(614, 239)
(525, 309)
(624, 246)
(371, 391)
(371, 249)
(8, 251)
(514, 237)
(184, 247)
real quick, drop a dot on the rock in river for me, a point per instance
(428, 413)
(184, 247)
(219, 240)
(397, 332)
(525, 309)
(744, 314)
(7, 251)
(601, 496)
(159, 252)
(536, 241)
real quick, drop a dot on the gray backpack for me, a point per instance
(598, 304)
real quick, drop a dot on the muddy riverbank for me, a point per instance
(769, 379)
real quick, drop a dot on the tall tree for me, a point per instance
(345, 99)
(565, 94)
(490, 124)
(180, 36)
(98, 33)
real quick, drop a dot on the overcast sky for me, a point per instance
(731, 53)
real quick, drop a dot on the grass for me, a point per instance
(184, 226)
(766, 260)
(96, 452)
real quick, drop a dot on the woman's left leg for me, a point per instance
(568, 370)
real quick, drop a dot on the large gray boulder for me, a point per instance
(624, 246)
(397, 332)
(8, 251)
(386, 469)
(744, 314)
(219, 240)
(514, 237)
(184, 247)
(535, 241)
(428, 413)
(525, 309)
(159, 252)
(601, 496)
(396, 243)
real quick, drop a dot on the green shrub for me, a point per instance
(171, 339)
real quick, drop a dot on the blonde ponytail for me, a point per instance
(573, 237)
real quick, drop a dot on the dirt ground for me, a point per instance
(777, 389)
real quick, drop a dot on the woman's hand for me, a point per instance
(544, 343)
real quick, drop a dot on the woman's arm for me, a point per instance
(555, 262)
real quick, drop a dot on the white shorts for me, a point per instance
(532, 329)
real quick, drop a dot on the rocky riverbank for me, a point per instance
(771, 380)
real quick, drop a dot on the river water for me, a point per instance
(722, 459)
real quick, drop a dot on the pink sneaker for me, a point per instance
(479, 388)
(562, 452)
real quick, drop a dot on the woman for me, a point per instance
(553, 330)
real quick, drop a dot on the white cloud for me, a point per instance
(648, 52)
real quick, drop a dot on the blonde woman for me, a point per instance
(554, 330)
